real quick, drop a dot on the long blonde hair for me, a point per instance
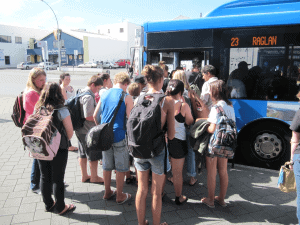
(33, 74)
(180, 75)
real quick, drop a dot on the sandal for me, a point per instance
(131, 180)
(70, 208)
(178, 202)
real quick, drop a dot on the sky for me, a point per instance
(88, 14)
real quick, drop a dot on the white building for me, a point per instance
(124, 31)
(14, 42)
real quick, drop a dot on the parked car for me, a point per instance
(27, 65)
(123, 62)
(88, 65)
(110, 65)
(48, 65)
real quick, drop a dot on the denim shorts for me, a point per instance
(156, 164)
(116, 157)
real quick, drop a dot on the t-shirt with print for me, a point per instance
(205, 93)
(228, 110)
(295, 126)
(88, 105)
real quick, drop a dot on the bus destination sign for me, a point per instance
(255, 41)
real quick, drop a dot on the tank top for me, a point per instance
(109, 102)
(179, 126)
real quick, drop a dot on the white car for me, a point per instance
(48, 65)
(110, 65)
(88, 65)
(26, 65)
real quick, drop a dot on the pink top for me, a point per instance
(29, 101)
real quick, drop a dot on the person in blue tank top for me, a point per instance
(118, 156)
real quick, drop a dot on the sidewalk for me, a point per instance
(252, 195)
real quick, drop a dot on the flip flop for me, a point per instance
(112, 195)
(210, 206)
(87, 181)
(97, 183)
(73, 148)
(127, 198)
(223, 205)
(71, 208)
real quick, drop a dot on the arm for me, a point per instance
(129, 105)
(68, 126)
(64, 92)
(170, 105)
(211, 128)
(187, 114)
(294, 142)
(96, 112)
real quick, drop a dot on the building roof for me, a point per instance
(181, 17)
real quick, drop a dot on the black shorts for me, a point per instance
(178, 149)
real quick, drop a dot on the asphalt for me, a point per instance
(253, 196)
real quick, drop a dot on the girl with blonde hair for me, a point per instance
(35, 83)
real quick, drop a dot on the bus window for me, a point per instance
(263, 73)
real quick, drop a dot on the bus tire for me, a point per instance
(265, 144)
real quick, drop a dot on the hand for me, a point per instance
(291, 167)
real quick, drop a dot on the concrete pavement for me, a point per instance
(252, 195)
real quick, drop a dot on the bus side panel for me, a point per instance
(247, 111)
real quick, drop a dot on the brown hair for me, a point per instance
(62, 77)
(122, 78)
(104, 76)
(134, 89)
(164, 67)
(160, 63)
(153, 73)
(96, 80)
(51, 97)
(174, 87)
(219, 91)
(34, 74)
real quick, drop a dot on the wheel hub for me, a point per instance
(267, 146)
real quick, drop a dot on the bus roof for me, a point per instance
(254, 6)
(232, 21)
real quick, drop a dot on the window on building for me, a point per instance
(18, 40)
(108, 31)
(121, 30)
(5, 39)
(62, 43)
(7, 60)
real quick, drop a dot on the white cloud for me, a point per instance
(10, 7)
(58, 1)
(73, 19)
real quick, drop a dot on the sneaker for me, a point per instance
(36, 191)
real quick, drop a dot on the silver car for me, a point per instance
(88, 65)
(110, 65)
(27, 65)
(48, 65)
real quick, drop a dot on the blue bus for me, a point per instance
(255, 47)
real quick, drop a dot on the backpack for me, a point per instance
(101, 137)
(146, 139)
(39, 135)
(18, 114)
(74, 106)
(224, 139)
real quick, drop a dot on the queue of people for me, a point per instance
(180, 108)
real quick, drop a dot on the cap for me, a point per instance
(140, 79)
(243, 65)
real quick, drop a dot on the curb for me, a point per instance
(254, 168)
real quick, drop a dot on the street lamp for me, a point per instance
(58, 38)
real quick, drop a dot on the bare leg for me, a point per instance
(83, 168)
(222, 169)
(107, 182)
(141, 195)
(157, 188)
(94, 172)
(120, 183)
(177, 175)
(211, 166)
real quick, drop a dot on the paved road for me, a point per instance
(252, 193)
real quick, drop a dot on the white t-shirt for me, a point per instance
(213, 115)
(205, 93)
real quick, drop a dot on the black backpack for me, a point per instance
(73, 104)
(18, 114)
(146, 139)
(101, 137)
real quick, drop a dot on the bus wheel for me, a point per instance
(265, 144)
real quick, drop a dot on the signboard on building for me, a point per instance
(63, 55)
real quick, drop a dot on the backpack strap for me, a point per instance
(117, 109)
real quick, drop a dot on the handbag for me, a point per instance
(286, 180)
(101, 137)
